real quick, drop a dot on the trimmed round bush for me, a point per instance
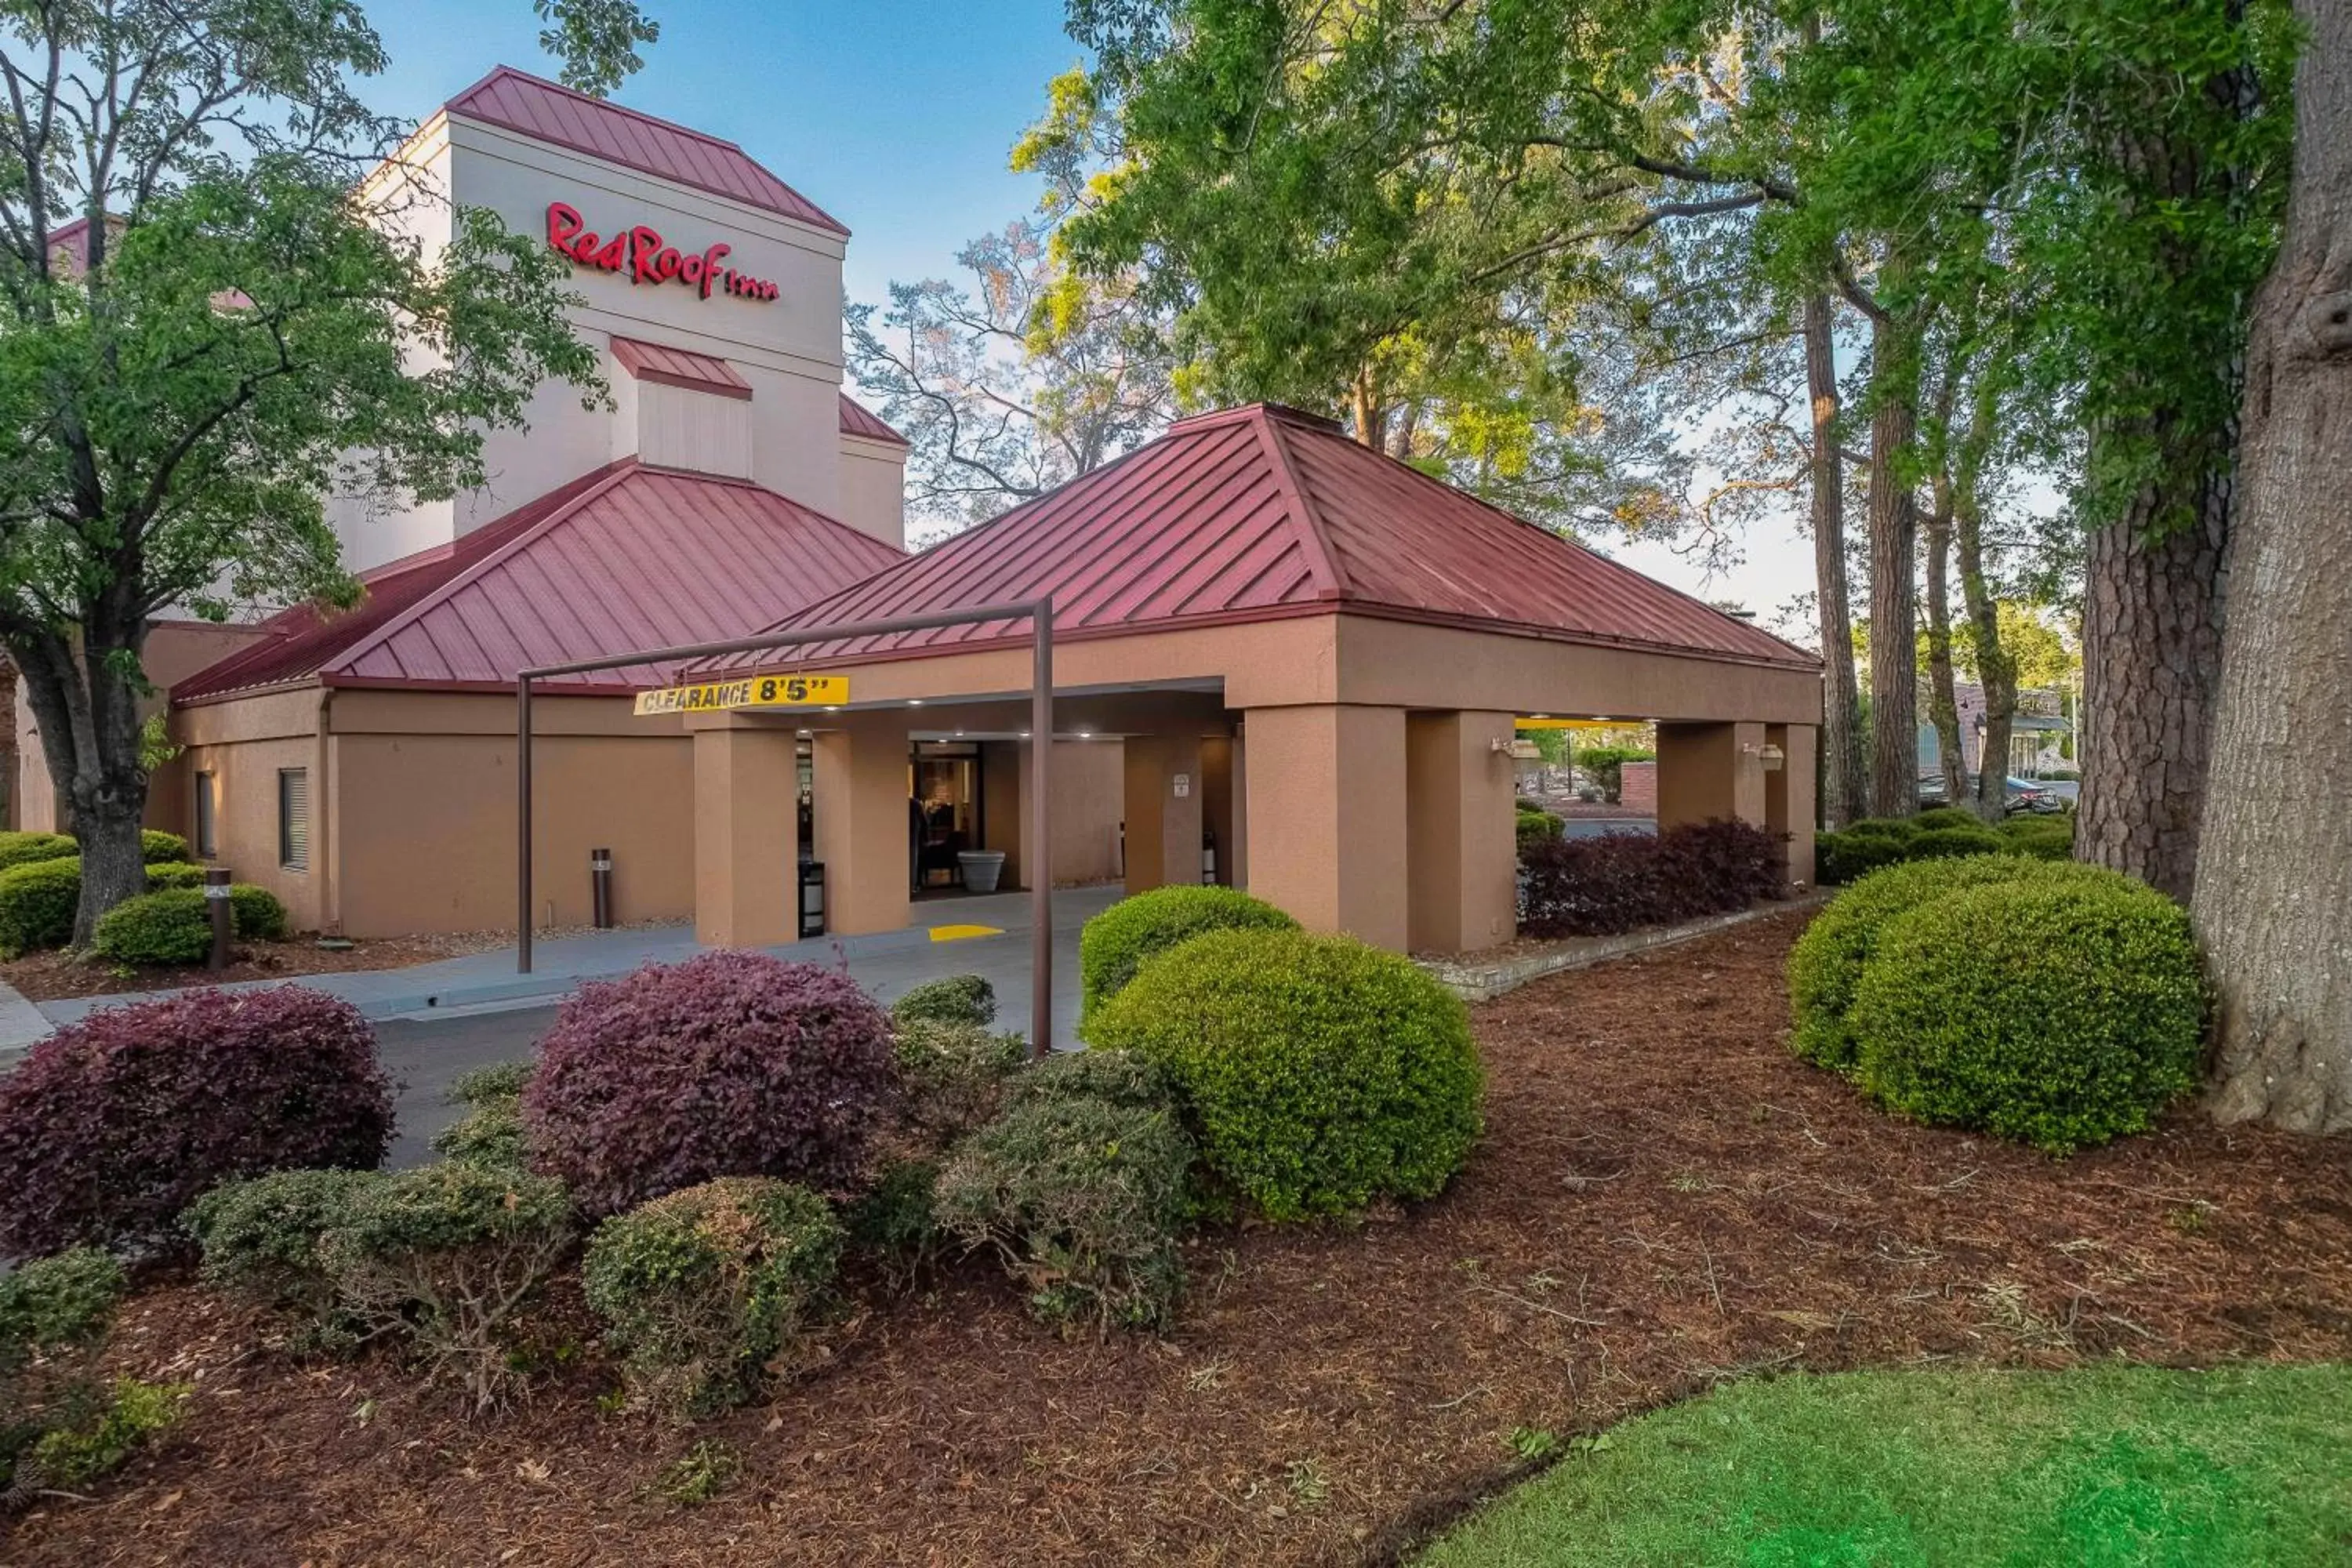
(949, 1074)
(958, 999)
(2060, 1013)
(260, 1237)
(1841, 857)
(1826, 965)
(1954, 843)
(256, 913)
(57, 1305)
(170, 927)
(156, 847)
(1319, 1074)
(730, 1064)
(1897, 827)
(1946, 817)
(699, 1291)
(1115, 943)
(1122, 1078)
(25, 849)
(1537, 828)
(112, 1126)
(38, 900)
(173, 874)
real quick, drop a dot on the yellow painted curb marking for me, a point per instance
(957, 934)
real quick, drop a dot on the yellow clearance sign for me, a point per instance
(760, 691)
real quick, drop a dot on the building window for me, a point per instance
(294, 818)
(204, 851)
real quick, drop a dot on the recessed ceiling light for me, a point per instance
(914, 702)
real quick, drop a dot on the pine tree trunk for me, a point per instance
(1894, 577)
(1943, 695)
(2273, 885)
(1845, 773)
(2151, 666)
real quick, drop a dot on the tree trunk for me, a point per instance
(1845, 777)
(2274, 886)
(88, 718)
(1894, 576)
(1996, 670)
(1943, 695)
(2151, 666)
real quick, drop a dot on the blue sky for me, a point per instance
(895, 116)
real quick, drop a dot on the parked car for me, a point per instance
(2022, 794)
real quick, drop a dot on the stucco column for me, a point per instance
(1789, 797)
(1324, 800)
(1163, 810)
(863, 835)
(1004, 817)
(746, 832)
(1710, 771)
(1461, 852)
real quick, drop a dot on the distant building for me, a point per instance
(2040, 737)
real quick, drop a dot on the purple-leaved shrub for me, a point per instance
(731, 1064)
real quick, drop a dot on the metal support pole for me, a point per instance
(1041, 833)
(522, 825)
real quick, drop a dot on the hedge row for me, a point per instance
(1622, 881)
(171, 924)
(1941, 833)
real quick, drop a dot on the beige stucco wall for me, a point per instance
(175, 650)
(874, 488)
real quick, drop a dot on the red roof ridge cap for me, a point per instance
(1322, 559)
(592, 101)
(620, 469)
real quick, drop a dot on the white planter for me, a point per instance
(980, 867)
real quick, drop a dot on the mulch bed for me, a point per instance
(1664, 1198)
(53, 976)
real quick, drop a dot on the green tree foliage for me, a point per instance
(236, 331)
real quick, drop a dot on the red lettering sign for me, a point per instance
(644, 256)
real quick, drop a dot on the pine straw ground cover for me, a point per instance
(1665, 1199)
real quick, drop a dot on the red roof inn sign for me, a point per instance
(641, 253)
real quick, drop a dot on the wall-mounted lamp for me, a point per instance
(1772, 757)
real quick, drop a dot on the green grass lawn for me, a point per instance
(2248, 1467)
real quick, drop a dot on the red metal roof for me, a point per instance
(856, 419)
(546, 111)
(626, 557)
(680, 367)
(1261, 511)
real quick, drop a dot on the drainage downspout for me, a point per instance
(322, 823)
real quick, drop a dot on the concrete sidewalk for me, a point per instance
(887, 963)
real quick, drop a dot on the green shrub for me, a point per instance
(2056, 1012)
(1897, 827)
(1607, 765)
(1318, 1073)
(701, 1291)
(37, 899)
(27, 848)
(57, 1304)
(260, 1240)
(1954, 843)
(1122, 1078)
(1946, 817)
(950, 1074)
(1849, 855)
(894, 1222)
(447, 1254)
(1083, 1200)
(1536, 826)
(2041, 838)
(1113, 944)
(255, 913)
(78, 1455)
(173, 874)
(500, 1080)
(957, 999)
(1826, 966)
(166, 927)
(490, 1134)
(156, 847)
